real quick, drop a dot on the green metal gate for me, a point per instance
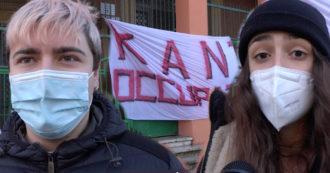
(4, 83)
(4, 95)
(226, 16)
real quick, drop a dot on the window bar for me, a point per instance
(4, 96)
(168, 16)
(227, 8)
(124, 16)
(173, 16)
(161, 14)
(165, 9)
(157, 15)
(144, 13)
(129, 12)
(221, 22)
(152, 13)
(147, 7)
(113, 16)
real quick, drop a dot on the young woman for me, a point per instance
(278, 117)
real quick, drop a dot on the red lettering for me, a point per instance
(230, 44)
(198, 98)
(161, 97)
(120, 40)
(222, 65)
(167, 56)
(122, 72)
(139, 96)
(182, 100)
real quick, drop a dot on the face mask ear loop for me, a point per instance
(90, 103)
(91, 75)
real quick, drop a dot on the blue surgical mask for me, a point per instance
(52, 103)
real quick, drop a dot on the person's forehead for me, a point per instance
(269, 36)
(52, 39)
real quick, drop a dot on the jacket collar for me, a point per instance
(111, 126)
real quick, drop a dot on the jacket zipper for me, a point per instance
(51, 163)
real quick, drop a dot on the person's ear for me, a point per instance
(96, 77)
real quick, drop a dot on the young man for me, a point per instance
(58, 124)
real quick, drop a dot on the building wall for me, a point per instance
(192, 16)
(209, 17)
(226, 16)
(261, 1)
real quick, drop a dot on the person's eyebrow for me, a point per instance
(67, 49)
(290, 36)
(27, 51)
(261, 37)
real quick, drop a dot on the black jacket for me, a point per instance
(109, 147)
(217, 119)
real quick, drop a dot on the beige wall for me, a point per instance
(260, 1)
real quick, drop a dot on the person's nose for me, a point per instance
(278, 58)
(46, 63)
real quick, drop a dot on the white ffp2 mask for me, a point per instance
(284, 95)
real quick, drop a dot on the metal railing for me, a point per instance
(225, 17)
(4, 94)
(4, 82)
(152, 13)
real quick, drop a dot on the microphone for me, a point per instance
(238, 167)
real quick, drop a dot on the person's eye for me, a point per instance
(25, 60)
(261, 56)
(69, 58)
(298, 54)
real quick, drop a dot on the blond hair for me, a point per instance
(63, 17)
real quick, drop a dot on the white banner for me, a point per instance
(163, 75)
(323, 6)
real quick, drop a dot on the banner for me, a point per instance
(323, 6)
(163, 75)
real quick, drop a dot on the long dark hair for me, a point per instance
(256, 139)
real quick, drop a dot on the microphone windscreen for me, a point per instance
(238, 167)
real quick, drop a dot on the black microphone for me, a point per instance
(238, 167)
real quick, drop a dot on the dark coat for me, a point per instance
(217, 105)
(217, 119)
(108, 148)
